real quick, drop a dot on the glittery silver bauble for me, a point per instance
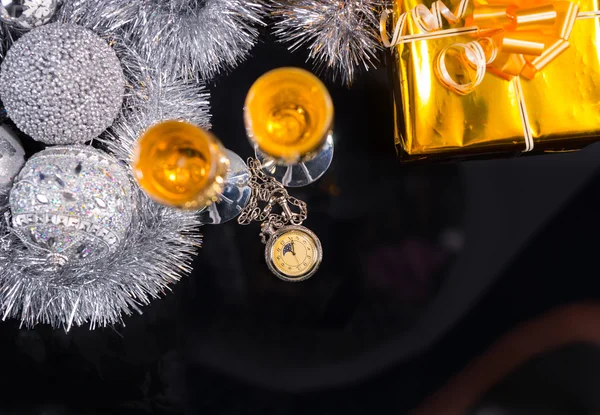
(62, 84)
(73, 204)
(27, 14)
(12, 158)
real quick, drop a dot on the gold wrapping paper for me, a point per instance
(562, 102)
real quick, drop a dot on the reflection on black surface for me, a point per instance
(381, 267)
(384, 232)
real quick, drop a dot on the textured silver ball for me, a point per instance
(27, 14)
(12, 158)
(62, 84)
(72, 204)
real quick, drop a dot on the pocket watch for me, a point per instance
(292, 252)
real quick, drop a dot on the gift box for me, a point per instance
(506, 113)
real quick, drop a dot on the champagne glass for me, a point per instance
(179, 164)
(289, 120)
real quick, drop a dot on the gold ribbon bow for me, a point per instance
(533, 33)
(512, 40)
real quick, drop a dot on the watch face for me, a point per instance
(294, 253)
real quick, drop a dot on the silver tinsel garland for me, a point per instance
(186, 38)
(160, 244)
(341, 35)
(190, 37)
(105, 17)
(156, 253)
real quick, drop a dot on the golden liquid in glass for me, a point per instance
(288, 113)
(179, 164)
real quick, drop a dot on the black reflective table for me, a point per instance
(390, 234)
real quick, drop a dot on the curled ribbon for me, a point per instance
(472, 55)
(513, 39)
(427, 20)
(534, 34)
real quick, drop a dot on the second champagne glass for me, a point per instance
(179, 164)
(289, 119)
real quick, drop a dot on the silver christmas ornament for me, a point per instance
(71, 204)
(12, 158)
(342, 36)
(158, 247)
(62, 84)
(27, 14)
(160, 243)
(157, 251)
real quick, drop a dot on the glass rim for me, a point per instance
(212, 187)
(327, 125)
